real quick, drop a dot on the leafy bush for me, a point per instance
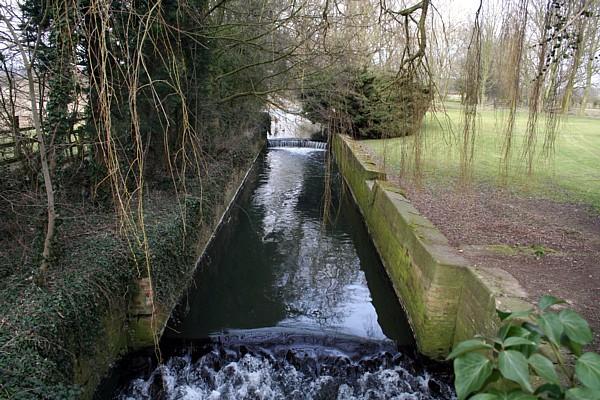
(520, 363)
(367, 103)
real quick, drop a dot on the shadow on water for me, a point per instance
(284, 306)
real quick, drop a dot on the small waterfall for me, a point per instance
(293, 366)
(296, 143)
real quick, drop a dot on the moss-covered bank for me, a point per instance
(59, 341)
(445, 298)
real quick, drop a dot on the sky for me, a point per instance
(457, 9)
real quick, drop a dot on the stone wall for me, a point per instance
(446, 300)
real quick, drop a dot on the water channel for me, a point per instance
(286, 306)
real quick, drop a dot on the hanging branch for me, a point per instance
(407, 14)
(535, 97)
(514, 31)
(472, 81)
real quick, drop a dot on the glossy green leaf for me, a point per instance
(551, 326)
(543, 367)
(470, 372)
(575, 327)
(494, 377)
(533, 329)
(583, 394)
(576, 348)
(499, 394)
(513, 366)
(513, 395)
(587, 370)
(518, 315)
(484, 396)
(468, 346)
(552, 390)
(520, 395)
(548, 301)
(513, 330)
(502, 314)
(518, 341)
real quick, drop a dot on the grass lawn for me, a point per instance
(571, 175)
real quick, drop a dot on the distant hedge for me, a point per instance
(366, 103)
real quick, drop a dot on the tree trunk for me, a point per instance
(41, 278)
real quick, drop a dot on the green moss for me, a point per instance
(443, 298)
(89, 371)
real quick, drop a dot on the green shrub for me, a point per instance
(367, 103)
(535, 355)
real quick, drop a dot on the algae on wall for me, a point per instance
(446, 300)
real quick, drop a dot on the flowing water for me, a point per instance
(296, 143)
(287, 306)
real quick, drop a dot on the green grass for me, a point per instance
(571, 175)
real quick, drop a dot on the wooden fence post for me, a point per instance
(17, 136)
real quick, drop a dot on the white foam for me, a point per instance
(256, 377)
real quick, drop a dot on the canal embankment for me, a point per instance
(287, 302)
(60, 340)
(445, 298)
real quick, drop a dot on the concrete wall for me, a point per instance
(130, 323)
(148, 317)
(445, 299)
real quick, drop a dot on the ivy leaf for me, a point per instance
(513, 366)
(547, 301)
(583, 394)
(551, 326)
(543, 367)
(576, 328)
(468, 346)
(470, 372)
(517, 341)
(587, 370)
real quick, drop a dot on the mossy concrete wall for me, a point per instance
(148, 316)
(138, 320)
(446, 300)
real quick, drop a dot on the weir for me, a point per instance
(291, 142)
(286, 305)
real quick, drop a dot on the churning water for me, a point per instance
(290, 372)
(285, 306)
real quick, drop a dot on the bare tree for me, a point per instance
(7, 17)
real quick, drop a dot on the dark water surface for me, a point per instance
(286, 306)
(281, 266)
